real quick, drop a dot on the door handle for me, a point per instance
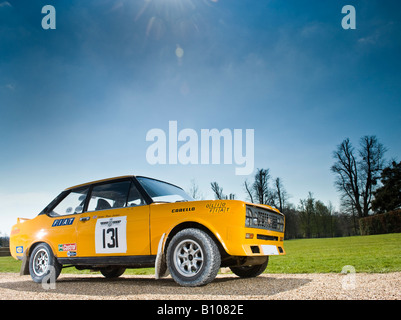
(84, 218)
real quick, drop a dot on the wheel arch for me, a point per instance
(36, 243)
(26, 256)
(193, 224)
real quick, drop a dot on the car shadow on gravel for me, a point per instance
(98, 286)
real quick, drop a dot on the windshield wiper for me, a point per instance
(182, 201)
(161, 201)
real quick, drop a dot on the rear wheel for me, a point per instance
(43, 265)
(250, 271)
(193, 258)
(112, 272)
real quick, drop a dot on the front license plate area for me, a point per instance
(269, 250)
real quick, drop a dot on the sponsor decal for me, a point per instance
(67, 247)
(63, 222)
(110, 222)
(71, 253)
(183, 209)
(19, 249)
(217, 207)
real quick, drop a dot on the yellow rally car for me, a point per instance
(135, 222)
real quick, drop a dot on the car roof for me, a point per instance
(116, 178)
(98, 181)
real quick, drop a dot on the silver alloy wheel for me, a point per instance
(41, 262)
(188, 258)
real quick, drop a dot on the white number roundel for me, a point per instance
(111, 235)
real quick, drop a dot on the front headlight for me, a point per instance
(248, 217)
(255, 219)
(280, 223)
(251, 219)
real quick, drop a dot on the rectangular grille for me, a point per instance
(264, 219)
(267, 220)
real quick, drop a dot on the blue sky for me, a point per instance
(76, 102)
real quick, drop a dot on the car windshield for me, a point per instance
(161, 191)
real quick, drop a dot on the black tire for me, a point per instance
(250, 271)
(43, 265)
(112, 272)
(193, 258)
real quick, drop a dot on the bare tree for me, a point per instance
(261, 186)
(280, 194)
(371, 164)
(248, 189)
(218, 191)
(260, 192)
(346, 170)
(307, 215)
(356, 178)
(194, 190)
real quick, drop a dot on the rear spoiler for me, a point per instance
(21, 220)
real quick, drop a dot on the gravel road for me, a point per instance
(224, 287)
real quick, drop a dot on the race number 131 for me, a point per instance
(110, 235)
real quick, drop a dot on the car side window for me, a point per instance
(134, 198)
(73, 203)
(109, 195)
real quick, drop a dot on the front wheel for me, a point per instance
(193, 258)
(43, 265)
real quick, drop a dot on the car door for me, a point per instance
(63, 220)
(116, 222)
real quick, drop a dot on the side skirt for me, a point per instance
(126, 261)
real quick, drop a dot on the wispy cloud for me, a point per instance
(5, 4)
(372, 38)
(10, 86)
(380, 35)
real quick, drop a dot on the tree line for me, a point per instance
(366, 182)
(4, 240)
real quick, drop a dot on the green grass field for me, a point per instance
(378, 253)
